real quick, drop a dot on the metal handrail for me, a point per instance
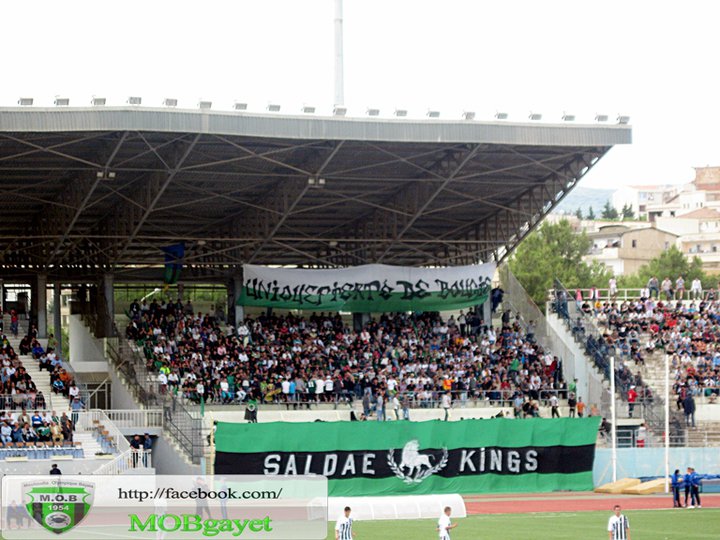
(600, 351)
(23, 401)
(128, 418)
(90, 420)
(130, 459)
(181, 423)
(623, 295)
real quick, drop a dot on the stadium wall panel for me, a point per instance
(645, 462)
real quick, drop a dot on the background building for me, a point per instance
(624, 250)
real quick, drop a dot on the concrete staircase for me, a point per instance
(90, 445)
(56, 402)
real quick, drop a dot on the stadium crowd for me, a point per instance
(24, 417)
(395, 360)
(665, 318)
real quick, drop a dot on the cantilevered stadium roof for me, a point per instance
(85, 190)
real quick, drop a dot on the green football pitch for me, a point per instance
(680, 524)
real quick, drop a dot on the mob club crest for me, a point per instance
(58, 505)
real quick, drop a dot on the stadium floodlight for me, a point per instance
(339, 110)
(400, 112)
(170, 102)
(373, 112)
(62, 102)
(468, 115)
(433, 114)
(25, 101)
(97, 101)
(568, 117)
(501, 115)
(312, 181)
(535, 116)
(238, 106)
(134, 100)
(204, 105)
(321, 181)
(273, 107)
(308, 109)
(106, 175)
(622, 119)
(601, 117)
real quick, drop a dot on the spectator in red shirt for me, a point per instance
(632, 397)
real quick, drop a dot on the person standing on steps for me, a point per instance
(572, 402)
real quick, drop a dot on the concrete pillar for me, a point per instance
(181, 291)
(360, 320)
(486, 312)
(238, 310)
(57, 318)
(108, 292)
(40, 297)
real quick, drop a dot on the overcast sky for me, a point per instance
(655, 61)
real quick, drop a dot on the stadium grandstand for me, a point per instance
(218, 272)
(100, 198)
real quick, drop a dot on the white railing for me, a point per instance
(128, 460)
(130, 418)
(627, 294)
(89, 420)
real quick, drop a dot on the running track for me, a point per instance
(571, 502)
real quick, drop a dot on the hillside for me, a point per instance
(582, 197)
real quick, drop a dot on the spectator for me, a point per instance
(653, 287)
(689, 410)
(696, 289)
(680, 287)
(641, 435)
(572, 403)
(554, 406)
(631, 399)
(612, 286)
(54, 469)
(446, 404)
(580, 408)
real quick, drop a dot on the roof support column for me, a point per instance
(236, 312)
(106, 307)
(39, 304)
(57, 317)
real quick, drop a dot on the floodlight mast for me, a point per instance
(339, 74)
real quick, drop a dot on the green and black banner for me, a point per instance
(370, 288)
(394, 458)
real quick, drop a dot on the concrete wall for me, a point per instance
(639, 462)
(591, 385)
(42, 466)
(343, 414)
(121, 398)
(84, 347)
(167, 459)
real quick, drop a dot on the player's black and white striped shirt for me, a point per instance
(344, 528)
(619, 527)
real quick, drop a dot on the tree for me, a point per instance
(609, 211)
(591, 213)
(578, 213)
(627, 212)
(671, 263)
(555, 251)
